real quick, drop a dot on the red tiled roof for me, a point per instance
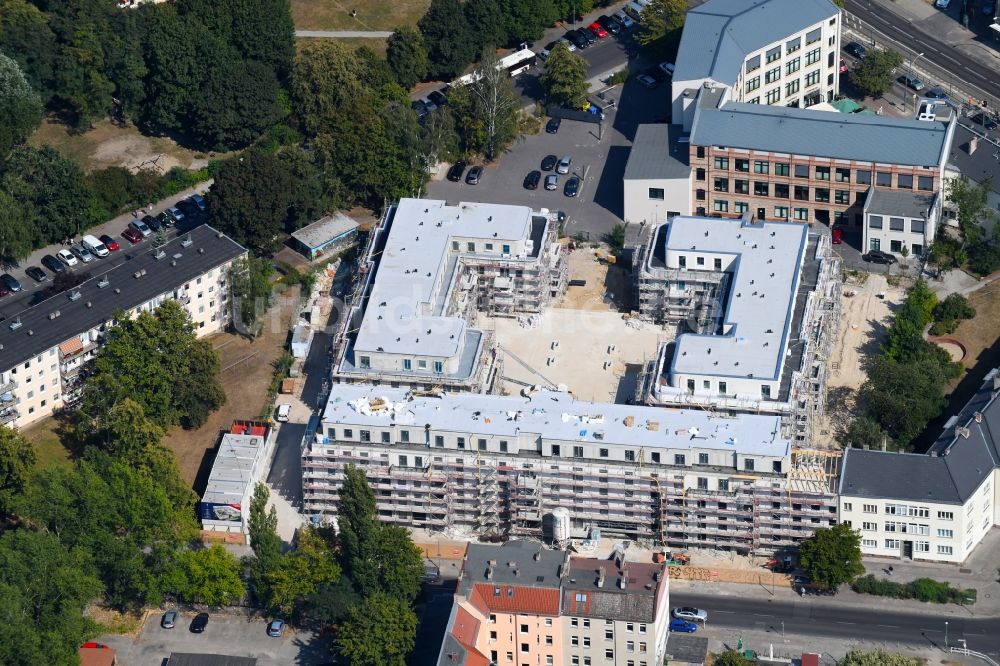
(466, 628)
(517, 599)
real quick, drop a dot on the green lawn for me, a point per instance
(336, 14)
(48, 446)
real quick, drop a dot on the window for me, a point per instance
(753, 63)
(781, 191)
(407, 364)
(385, 437)
(577, 451)
(864, 177)
(772, 75)
(702, 483)
(801, 193)
(722, 391)
(700, 195)
(773, 54)
(883, 179)
(944, 550)
(780, 168)
(470, 246)
(753, 84)
(869, 527)
(741, 207)
(438, 367)
(781, 212)
(822, 173)
(702, 458)
(503, 446)
(945, 534)
(892, 544)
(609, 654)
(945, 515)
(801, 170)
(366, 362)
(925, 183)
(822, 194)
(524, 647)
(814, 36)
(524, 628)
(904, 181)
(656, 457)
(793, 45)
(422, 364)
(773, 96)
(922, 546)
(720, 206)
(656, 193)
(743, 165)
(679, 459)
(801, 214)
(760, 166)
(460, 442)
(874, 221)
(741, 186)
(869, 508)
(792, 66)
(748, 464)
(869, 543)
(917, 226)
(842, 197)
(791, 88)
(721, 185)
(556, 450)
(481, 444)
(603, 453)
(609, 635)
(438, 441)
(812, 78)
(722, 163)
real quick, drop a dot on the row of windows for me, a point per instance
(783, 190)
(470, 246)
(920, 546)
(902, 510)
(365, 363)
(904, 181)
(790, 47)
(895, 224)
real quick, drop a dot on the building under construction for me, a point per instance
(548, 466)
(429, 268)
(756, 306)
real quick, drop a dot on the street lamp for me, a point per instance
(946, 634)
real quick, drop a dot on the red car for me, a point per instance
(843, 66)
(598, 30)
(110, 243)
(837, 236)
(132, 236)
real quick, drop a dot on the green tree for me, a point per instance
(237, 102)
(950, 312)
(947, 253)
(832, 556)
(616, 238)
(16, 236)
(330, 603)
(496, 105)
(407, 56)
(26, 36)
(17, 458)
(302, 572)
(486, 23)
(394, 565)
(903, 396)
(251, 285)
(130, 434)
(730, 658)
(356, 519)
(875, 74)
(262, 528)
(209, 575)
(20, 106)
(526, 20)
(877, 657)
(661, 22)
(565, 78)
(450, 43)
(380, 631)
(865, 432)
(970, 201)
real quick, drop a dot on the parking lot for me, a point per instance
(233, 635)
(599, 157)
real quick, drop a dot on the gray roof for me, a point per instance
(719, 34)
(95, 306)
(655, 154)
(954, 467)
(982, 165)
(905, 203)
(325, 230)
(608, 599)
(232, 470)
(196, 659)
(782, 129)
(686, 648)
(541, 572)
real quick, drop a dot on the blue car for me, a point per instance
(683, 626)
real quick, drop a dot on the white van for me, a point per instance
(633, 9)
(283, 411)
(95, 246)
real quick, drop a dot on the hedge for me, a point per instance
(922, 589)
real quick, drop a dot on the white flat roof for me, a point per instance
(399, 317)
(232, 470)
(558, 416)
(767, 264)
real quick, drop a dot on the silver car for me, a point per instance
(564, 162)
(82, 253)
(691, 614)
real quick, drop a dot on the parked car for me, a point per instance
(552, 127)
(682, 626)
(576, 38)
(176, 214)
(420, 109)
(843, 65)
(569, 45)
(151, 222)
(942, 4)
(647, 81)
(53, 264)
(132, 236)
(667, 68)
(141, 227)
(609, 24)
(456, 171)
(572, 187)
(551, 181)
(94, 246)
(589, 36)
(199, 623)
(597, 30)
(564, 163)
(547, 51)
(623, 19)
(532, 179)
(984, 120)
(189, 208)
(36, 273)
(428, 104)
(82, 253)
(110, 243)
(936, 93)
(10, 282)
(67, 257)
(199, 201)
(836, 236)
(689, 613)
(169, 620)
(879, 257)
(275, 629)
(800, 581)
(283, 411)
(438, 97)
(549, 162)
(911, 82)
(856, 50)
(475, 173)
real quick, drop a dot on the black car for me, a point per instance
(552, 127)
(36, 274)
(10, 282)
(475, 173)
(532, 179)
(53, 264)
(588, 35)
(199, 623)
(577, 38)
(936, 93)
(609, 24)
(549, 162)
(879, 257)
(152, 222)
(856, 50)
(189, 208)
(984, 120)
(571, 187)
(456, 171)
(165, 219)
(438, 98)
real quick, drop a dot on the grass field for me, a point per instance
(336, 14)
(979, 334)
(378, 45)
(48, 447)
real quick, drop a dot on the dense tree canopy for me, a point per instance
(875, 73)
(407, 56)
(832, 556)
(17, 457)
(20, 106)
(877, 657)
(378, 632)
(565, 78)
(450, 41)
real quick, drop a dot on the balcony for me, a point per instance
(8, 387)
(8, 414)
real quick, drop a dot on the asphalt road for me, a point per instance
(810, 617)
(940, 59)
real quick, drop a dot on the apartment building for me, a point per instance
(471, 464)
(936, 506)
(775, 52)
(429, 268)
(45, 349)
(976, 156)
(756, 305)
(520, 604)
(900, 222)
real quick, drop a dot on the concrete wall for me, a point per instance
(641, 207)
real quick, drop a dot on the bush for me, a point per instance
(950, 312)
(922, 589)
(621, 76)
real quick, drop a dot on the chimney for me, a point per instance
(979, 417)
(489, 571)
(962, 431)
(600, 577)
(973, 144)
(538, 555)
(623, 581)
